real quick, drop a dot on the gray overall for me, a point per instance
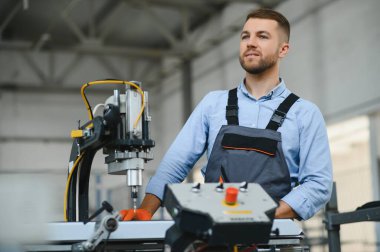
(248, 154)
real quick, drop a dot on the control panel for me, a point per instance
(229, 213)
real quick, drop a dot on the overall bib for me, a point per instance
(252, 155)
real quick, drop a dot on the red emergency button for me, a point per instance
(231, 196)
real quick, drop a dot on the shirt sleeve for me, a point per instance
(315, 167)
(184, 152)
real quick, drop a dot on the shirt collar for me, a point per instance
(275, 92)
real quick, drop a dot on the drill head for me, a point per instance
(134, 191)
(134, 205)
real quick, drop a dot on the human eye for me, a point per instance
(244, 36)
(263, 36)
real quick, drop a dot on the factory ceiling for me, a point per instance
(150, 29)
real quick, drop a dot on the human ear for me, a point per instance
(284, 48)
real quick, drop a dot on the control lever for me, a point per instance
(105, 206)
(102, 231)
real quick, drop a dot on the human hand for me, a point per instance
(284, 211)
(139, 215)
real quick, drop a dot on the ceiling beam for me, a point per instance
(185, 28)
(97, 49)
(38, 43)
(75, 29)
(125, 51)
(112, 71)
(91, 19)
(210, 4)
(106, 14)
(28, 88)
(34, 66)
(8, 87)
(68, 69)
(16, 8)
(223, 34)
(193, 4)
(158, 23)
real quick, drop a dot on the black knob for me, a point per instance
(243, 186)
(220, 187)
(196, 187)
(105, 206)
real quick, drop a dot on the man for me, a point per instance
(258, 132)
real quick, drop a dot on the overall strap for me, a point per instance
(232, 108)
(279, 114)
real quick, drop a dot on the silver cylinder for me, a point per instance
(134, 177)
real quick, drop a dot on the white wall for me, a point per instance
(336, 50)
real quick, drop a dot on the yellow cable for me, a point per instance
(67, 185)
(236, 248)
(90, 115)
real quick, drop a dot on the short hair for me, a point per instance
(273, 15)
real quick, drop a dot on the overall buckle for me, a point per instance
(278, 117)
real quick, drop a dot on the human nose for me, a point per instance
(252, 42)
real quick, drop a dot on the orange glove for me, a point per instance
(130, 214)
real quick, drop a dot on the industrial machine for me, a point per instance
(122, 132)
(286, 236)
(215, 216)
(218, 214)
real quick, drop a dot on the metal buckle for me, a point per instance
(278, 117)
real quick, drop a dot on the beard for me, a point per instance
(260, 67)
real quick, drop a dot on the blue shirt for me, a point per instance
(304, 142)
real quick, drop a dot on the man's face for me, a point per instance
(261, 45)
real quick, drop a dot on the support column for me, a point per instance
(187, 95)
(187, 98)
